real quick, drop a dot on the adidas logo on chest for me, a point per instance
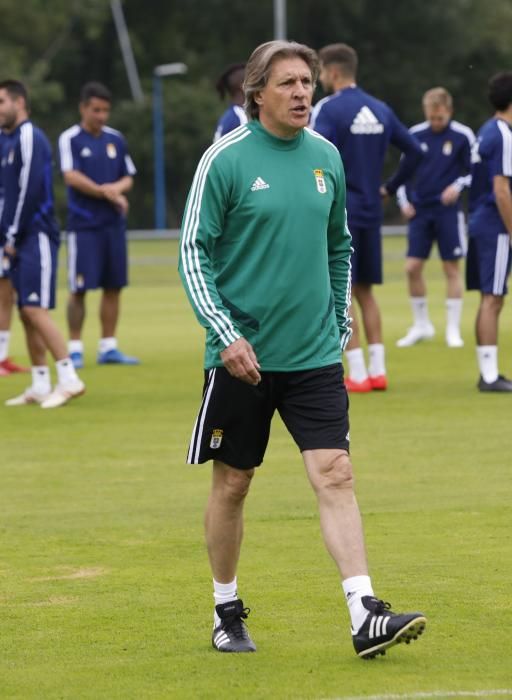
(259, 184)
(365, 122)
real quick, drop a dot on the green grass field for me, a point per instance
(105, 591)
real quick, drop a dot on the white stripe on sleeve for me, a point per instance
(194, 277)
(65, 152)
(506, 136)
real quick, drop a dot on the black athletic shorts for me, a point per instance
(233, 424)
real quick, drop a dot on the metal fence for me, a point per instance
(174, 233)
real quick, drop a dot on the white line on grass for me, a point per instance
(504, 692)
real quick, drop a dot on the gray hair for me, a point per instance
(259, 66)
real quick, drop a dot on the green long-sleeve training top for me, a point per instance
(265, 248)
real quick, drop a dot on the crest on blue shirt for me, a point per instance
(111, 150)
(447, 148)
(10, 157)
(320, 181)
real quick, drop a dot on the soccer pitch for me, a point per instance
(105, 589)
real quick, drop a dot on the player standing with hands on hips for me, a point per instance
(265, 261)
(98, 172)
(431, 204)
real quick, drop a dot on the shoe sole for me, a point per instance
(73, 396)
(412, 630)
(234, 651)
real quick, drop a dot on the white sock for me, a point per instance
(223, 593)
(66, 373)
(376, 362)
(75, 346)
(41, 380)
(453, 314)
(488, 362)
(106, 344)
(356, 365)
(419, 308)
(4, 344)
(355, 588)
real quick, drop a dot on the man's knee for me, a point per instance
(492, 303)
(30, 314)
(335, 473)
(413, 267)
(234, 483)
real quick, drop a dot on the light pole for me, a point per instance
(280, 19)
(160, 72)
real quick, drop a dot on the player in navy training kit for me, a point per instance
(7, 366)
(362, 127)
(490, 229)
(231, 82)
(98, 172)
(431, 204)
(31, 245)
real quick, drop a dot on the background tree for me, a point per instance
(405, 47)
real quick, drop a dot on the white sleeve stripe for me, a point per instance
(130, 166)
(401, 196)
(423, 126)
(240, 113)
(319, 136)
(189, 251)
(66, 155)
(507, 148)
(27, 147)
(463, 129)
(316, 111)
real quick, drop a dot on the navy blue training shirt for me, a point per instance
(362, 127)
(103, 158)
(28, 185)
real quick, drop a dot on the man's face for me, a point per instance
(95, 113)
(326, 77)
(9, 110)
(437, 116)
(285, 101)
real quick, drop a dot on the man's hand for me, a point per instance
(112, 193)
(9, 250)
(383, 192)
(450, 195)
(241, 362)
(408, 211)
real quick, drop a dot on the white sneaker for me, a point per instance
(418, 332)
(29, 396)
(453, 338)
(64, 393)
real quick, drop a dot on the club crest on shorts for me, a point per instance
(320, 182)
(111, 150)
(216, 438)
(80, 282)
(447, 148)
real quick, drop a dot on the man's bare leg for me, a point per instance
(224, 531)
(374, 626)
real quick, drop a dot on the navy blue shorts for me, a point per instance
(34, 271)
(488, 263)
(367, 256)
(444, 225)
(233, 423)
(97, 259)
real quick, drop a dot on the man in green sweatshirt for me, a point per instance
(265, 261)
